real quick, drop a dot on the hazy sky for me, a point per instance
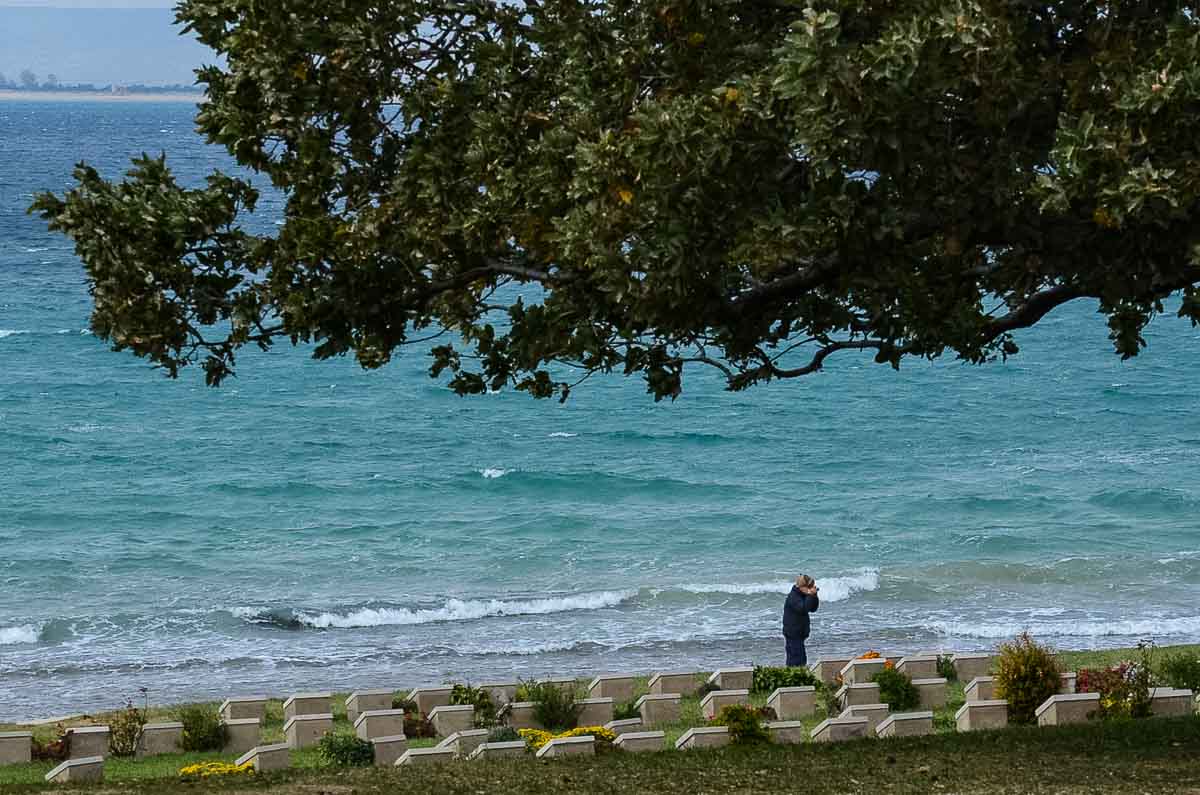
(98, 42)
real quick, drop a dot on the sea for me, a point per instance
(314, 526)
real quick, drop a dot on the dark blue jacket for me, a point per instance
(795, 614)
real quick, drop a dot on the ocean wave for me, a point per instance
(25, 633)
(494, 472)
(452, 610)
(561, 435)
(833, 589)
(1133, 628)
(10, 332)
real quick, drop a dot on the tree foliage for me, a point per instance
(564, 187)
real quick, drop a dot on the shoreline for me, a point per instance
(7, 95)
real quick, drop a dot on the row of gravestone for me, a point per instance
(308, 716)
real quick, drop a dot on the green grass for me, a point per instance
(1147, 754)
(1144, 757)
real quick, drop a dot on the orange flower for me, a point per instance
(871, 655)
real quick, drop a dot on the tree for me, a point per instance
(560, 187)
(51, 83)
(29, 80)
(3, 80)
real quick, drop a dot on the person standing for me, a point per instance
(801, 601)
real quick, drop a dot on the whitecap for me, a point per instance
(833, 589)
(1140, 628)
(87, 427)
(8, 332)
(36, 250)
(463, 610)
(26, 633)
(562, 435)
(494, 472)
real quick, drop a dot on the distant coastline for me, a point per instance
(9, 95)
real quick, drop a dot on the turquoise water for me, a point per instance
(311, 525)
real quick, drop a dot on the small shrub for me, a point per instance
(626, 711)
(202, 728)
(766, 679)
(897, 690)
(946, 669)
(125, 729)
(1124, 689)
(1026, 675)
(554, 706)
(1181, 670)
(52, 750)
(416, 724)
(345, 750)
(746, 724)
(202, 770)
(827, 700)
(504, 734)
(481, 700)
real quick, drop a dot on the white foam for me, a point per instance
(494, 472)
(833, 589)
(246, 612)
(1140, 628)
(9, 332)
(562, 435)
(464, 610)
(26, 633)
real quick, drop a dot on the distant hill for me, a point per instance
(98, 45)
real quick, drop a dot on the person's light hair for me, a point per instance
(804, 581)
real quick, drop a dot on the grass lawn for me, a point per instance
(1156, 755)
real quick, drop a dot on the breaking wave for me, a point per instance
(452, 610)
(1133, 628)
(833, 589)
(26, 633)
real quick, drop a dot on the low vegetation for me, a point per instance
(1027, 674)
(1143, 756)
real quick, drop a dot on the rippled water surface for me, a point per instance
(313, 525)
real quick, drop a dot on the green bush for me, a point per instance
(504, 734)
(746, 724)
(481, 700)
(51, 750)
(345, 750)
(202, 728)
(626, 711)
(554, 706)
(766, 678)
(827, 700)
(1180, 669)
(1026, 675)
(416, 723)
(125, 729)
(946, 669)
(897, 690)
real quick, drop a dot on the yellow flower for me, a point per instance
(536, 738)
(210, 769)
(626, 195)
